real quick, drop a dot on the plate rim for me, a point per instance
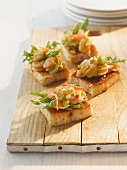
(77, 4)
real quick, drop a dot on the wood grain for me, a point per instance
(28, 125)
(106, 128)
(65, 134)
(101, 128)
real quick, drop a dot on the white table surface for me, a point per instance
(17, 19)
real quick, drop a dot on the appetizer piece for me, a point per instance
(97, 74)
(46, 64)
(76, 45)
(64, 104)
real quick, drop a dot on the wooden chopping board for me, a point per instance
(105, 131)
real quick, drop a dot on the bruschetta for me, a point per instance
(97, 74)
(76, 44)
(46, 64)
(64, 104)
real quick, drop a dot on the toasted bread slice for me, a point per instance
(45, 78)
(73, 58)
(58, 117)
(96, 85)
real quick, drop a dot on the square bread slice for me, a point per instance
(59, 117)
(45, 78)
(96, 85)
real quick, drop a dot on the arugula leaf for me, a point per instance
(33, 49)
(29, 56)
(85, 25)
(76, 27)
(54, 44)
(52, 53)
(115, 60)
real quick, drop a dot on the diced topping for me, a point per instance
(49, 63)
(66, 97)
(76, 95)
(51, 96)
(76, 40)
(98, 66)
(45, 59)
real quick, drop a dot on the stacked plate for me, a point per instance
(99, 12)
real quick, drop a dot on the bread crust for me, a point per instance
(45, 78)
(59, 117)
(96, 85)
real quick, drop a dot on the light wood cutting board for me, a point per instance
(105, 131)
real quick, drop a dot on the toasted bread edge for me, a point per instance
(66, 116)
(96, 88)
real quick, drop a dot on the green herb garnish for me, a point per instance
(62, 97)
(38, 94)
(47, 106)
(115, 60)
(51, 45)
(52, 53)
(85, 25)
(76, 106)
(64, 103)
(42, 100)
(69, 43)
(55, 70)
(33, 49)
(45, 100)
(69, 108)
(77, 84)
(101, 60)
(35, 102)
(76, 27)
(79, 25)
(29, 55)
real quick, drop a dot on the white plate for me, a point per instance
(101, 20)
(93, 22)
(95, 13)
(100, 5)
